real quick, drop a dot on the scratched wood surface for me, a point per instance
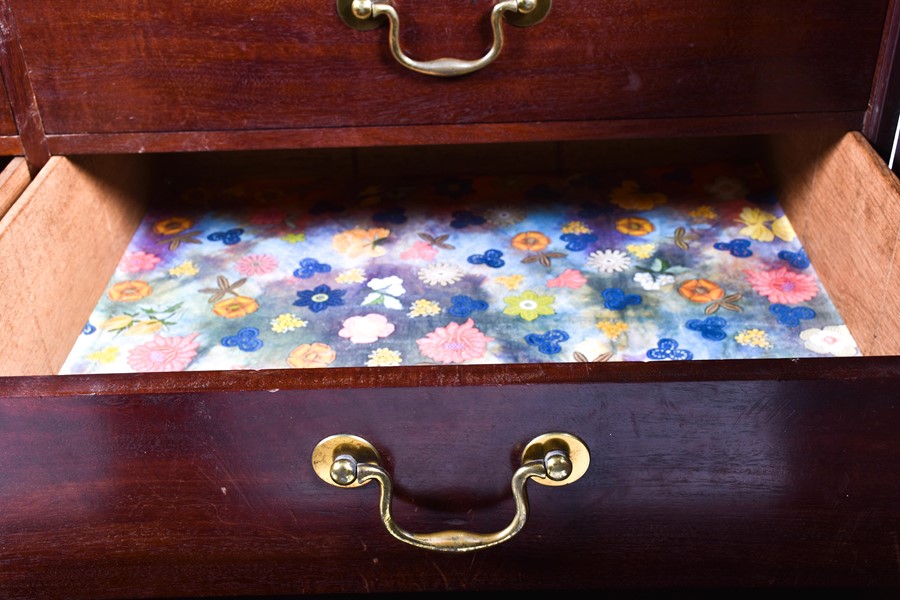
(135, 72)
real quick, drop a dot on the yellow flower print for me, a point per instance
(529, 305)
(630, 197)
(359, 242)
(704, 212)
(510, 281)
(575, 227)
(116, 323)
(233, 308)
(641, 250)
(286, 322)
(172, 225)
(612, 329)
(384, 357)
(756, 221)
(105, 356)
(753, 337)
(424, 308)
(783, 229)
(145, 327)
(129, 291)
(185, 269)
(355, 275)
(636, 226)
(293, 238)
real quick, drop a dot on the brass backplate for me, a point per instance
(533, 18)
(575, 448)
(327, 450)
(345, 10)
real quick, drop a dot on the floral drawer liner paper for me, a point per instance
(664, 264)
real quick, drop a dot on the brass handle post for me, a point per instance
(551, 459)
(367, 14)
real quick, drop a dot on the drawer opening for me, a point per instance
(65, 242)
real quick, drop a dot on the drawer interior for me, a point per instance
(64, 238)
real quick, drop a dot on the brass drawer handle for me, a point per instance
(365, 14)
(552, 459)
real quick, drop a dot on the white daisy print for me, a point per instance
(440, 274)
(608, 261)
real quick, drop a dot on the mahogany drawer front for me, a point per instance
(761, 473)
(131, 67)
(180, 485)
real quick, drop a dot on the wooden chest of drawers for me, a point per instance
(702, 475)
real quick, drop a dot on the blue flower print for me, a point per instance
(616, 299)
(547, 343)
(739, 248)
(246, 340)
(463, 306)
(791, 316)
(319, 298)
(490, 258)
(396, 215)
(667, 349)
(88, 329)
(711, 328)
(464, 218)
(797, 259)
(309, 267)
(229, 238)
(577, 242)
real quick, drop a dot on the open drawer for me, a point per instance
(728, 473)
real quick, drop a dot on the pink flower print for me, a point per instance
(164, 354)
(257, 264)
(367, 329)
(454, 343)
(782, 286)
(134, 262)
(419, 249)
(570, 278)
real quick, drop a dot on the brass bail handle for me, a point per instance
(552, 459)
(366, 14)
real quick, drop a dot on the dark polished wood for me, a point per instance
(25, 116)
(138, 67)
(754, 474)
(442, 134)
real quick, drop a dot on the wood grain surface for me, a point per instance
(777, 474)
(223, 65)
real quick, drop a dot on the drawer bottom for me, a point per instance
(666, 263)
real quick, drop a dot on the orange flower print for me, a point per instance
(172, 225)
(530, 241)
(636, 226)
(701, 290)
(129, 291)
(232, 308)
(357, 242)
(311, 356)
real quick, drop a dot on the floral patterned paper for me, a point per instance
(663, 264)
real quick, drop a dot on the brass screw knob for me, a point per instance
(558, 465)
(343, 470)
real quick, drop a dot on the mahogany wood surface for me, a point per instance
(214, 65)
(761, 474)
